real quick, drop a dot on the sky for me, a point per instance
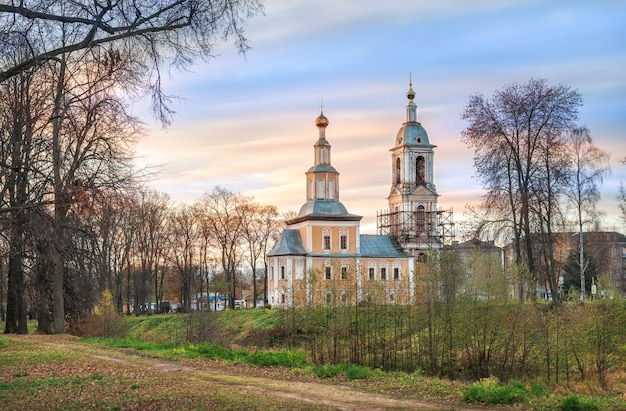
(246, 123)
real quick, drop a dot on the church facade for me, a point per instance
(322, 258)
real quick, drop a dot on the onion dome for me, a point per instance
(321, 121)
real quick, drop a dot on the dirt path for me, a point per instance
(208, 374)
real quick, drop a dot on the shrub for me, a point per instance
(105, 322)
(538, 389)
(575, 403)
(357, 372)
(488, 391)
(351, 371)
(326, 371)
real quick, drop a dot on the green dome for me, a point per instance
(412, 134)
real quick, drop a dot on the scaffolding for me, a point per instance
(432, 229)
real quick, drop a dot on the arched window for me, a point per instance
(320, 188)
(420, 219)
(397, 173)
(326, 239)
(396, 273)
(420, 170)
(343, 239)
(371, 271)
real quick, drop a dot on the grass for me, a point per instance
(488, 391)
(84, 377)
(134, 343)
(212, 351)
(27, 368)
(23, 352)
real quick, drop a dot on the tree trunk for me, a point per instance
(57, 260)
(16, 311)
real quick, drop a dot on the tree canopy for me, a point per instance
(145, 33)
(533, 160)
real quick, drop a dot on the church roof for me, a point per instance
(381, 246)
(322, 168)
(372, 246)
(290, 243)
(324, 208)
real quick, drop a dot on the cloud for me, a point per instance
(247, 123)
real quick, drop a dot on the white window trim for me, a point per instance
(344, 233)
(327, 232)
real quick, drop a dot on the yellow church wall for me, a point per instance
(335, 232)
(349, 282)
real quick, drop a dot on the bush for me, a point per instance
(538, 389)
(488, 391)
(105, 322)
(326, 371)
(357, 372)
(351, 371)
(575, 403)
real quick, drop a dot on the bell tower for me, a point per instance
(412, 212)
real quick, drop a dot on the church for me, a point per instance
(321, 257)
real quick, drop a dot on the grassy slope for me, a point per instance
(241, 328)
(229, 327)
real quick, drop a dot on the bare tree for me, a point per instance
(149, 32)
(590, 165)
(259, 227)
(546, 211)
(21, 184)
(506, 133)
(621, 197)
(184, 250)
(83, 51)
(151, 239)
(224, 211)
(113, 227)
(91, 138)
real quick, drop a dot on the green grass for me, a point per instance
(133, 343)
(166, 328)
(488, 391)
(259, 319)
(213, 351)
(29, 353)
